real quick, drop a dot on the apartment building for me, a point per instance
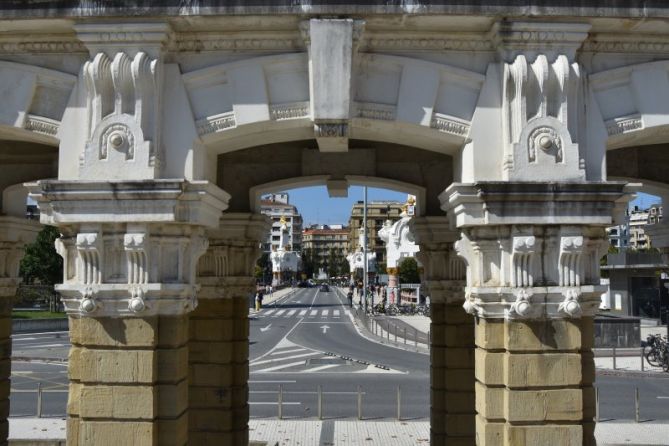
(377, 213)
(276, 206)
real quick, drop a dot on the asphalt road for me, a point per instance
(307, 340)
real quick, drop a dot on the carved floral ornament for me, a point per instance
(123, 274)
(512, 278)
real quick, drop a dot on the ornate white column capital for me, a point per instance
(533, 249)
(129, 248)
(226, 270)
(15, 234)
(444, 272)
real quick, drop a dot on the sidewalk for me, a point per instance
(273, 432)
(271, 299)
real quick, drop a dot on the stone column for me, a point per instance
(15, 233)
(130, 251)
(219, 332)
(452, 399)
(533, 254)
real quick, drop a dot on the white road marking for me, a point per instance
(323, 367)
(303, 312)
(267, 313)
(336, 313)
(290, 313)
(267, 361)
(313, 313)
(263, 329)
(41, 346)
(325, 328)
(287, 351)
(280, 312)
(279, 367)
(325, 313)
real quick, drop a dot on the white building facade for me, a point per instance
(278, 207)
(148, 135)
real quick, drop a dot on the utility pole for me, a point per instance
(364, 248)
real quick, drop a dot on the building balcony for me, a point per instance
(631, 259)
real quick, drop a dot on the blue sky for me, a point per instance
(317, 207)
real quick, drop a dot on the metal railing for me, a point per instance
(392, 333)
(359, 398)
(39, 393)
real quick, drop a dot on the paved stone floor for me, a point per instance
(352, 432)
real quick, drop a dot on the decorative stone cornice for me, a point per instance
(634, 43)
(215, 124)
(209, 41)
(623, 125)
(379, 41)
(42, 125)
(448, 124)
(112, 38)
(506, 203)
(549, 38)
(293, 110)
(149, 201)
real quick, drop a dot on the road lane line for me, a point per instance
(323, 367)
(272, 381)
(285, 337)
(294, 350)
(267, 361)
(279, 367)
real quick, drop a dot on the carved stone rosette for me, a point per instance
(138, 255)
(525, 262)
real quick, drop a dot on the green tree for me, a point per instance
(408, 271)
(42, 264)
(310, 262)
(263, 269)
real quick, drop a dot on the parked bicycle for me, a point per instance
(656, 351)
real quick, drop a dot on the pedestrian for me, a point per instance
(350, 299)
(258, 300)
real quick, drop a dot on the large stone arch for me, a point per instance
(634, 103)
(384, 104)
(244, 171)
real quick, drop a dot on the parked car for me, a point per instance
(325, 288)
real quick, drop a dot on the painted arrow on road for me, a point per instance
(325, 328)
(265, 328)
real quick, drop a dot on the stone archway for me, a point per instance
(161, 148)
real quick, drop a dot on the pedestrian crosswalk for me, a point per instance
(304, 313)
